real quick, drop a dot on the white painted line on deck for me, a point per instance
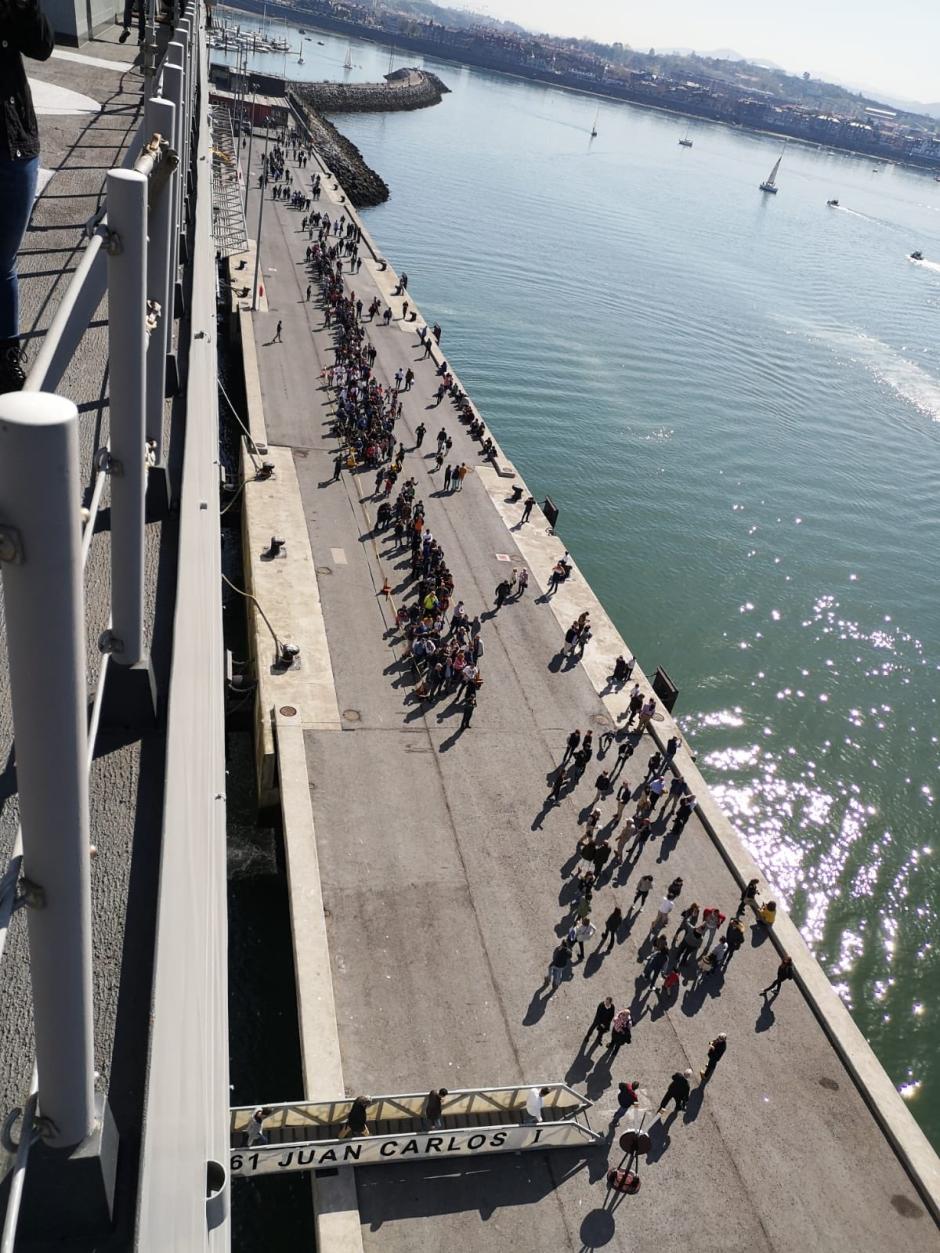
(99, 63)
(339, 556)
(51, 100)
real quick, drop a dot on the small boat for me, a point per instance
(594, 123)
(321, 43)
(917, 256)
(300, 59)
(833, 204)
(770, 184)
(685, 141)
(347, 64)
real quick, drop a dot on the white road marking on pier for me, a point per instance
(63, 54)
(52, 100)
(339, 556)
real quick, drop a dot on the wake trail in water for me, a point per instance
(926, 265)
(885, 364)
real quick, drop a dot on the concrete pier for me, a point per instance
(441, 869)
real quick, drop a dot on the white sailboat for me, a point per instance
(771, 184)
(347, 64)
(594, 123)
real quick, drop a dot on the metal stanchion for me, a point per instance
(160, 120)
(130, 680)
(173, 91)
(40, 556)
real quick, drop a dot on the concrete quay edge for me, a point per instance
(541, 549)
(335, 1201)
(286, 588)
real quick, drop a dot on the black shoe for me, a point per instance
(122, 39)
(12, 374)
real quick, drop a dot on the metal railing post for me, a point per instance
(160, 118)
(40, 546)
(173, 90)
(127, 343)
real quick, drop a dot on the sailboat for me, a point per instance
(685, 141)
(771, 184)
(594, 123)
(300, 59)
(347, 64)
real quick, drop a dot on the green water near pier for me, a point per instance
(735, 401)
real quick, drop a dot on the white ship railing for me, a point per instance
(132, 256)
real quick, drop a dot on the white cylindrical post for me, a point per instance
(40, 547)
(173, 91)
(127, 343)
(160, 119)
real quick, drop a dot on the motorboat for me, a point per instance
(917, 256)
(685, 143)
(833, 204)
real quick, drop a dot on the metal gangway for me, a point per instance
(308, 1135)
(155, 218)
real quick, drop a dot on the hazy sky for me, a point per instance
(894, 46)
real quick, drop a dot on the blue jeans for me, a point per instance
(17, 193)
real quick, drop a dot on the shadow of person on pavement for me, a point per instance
(538, 1004)
(660, 1139)
(766, 1018)
(694, 1106)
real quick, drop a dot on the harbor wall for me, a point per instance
(419, 90)
(365, 187)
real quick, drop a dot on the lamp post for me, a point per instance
(264, 166)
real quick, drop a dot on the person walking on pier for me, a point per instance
(309, 292)
(533, 1104)
(448, 475)
(356, 1124)
(337, 466)
(420, 431)
(620, 1033)
(679, 1090)
(603, 1017)
(611, 927)
(627, 1097)
(684, 812)
(716, 1051)
(277, 334)
(561, 960)
(433, 1107)
(643, 888)
(462, 471)
(256, 1124)
(571, 745)
(784, 972)
(527, 508)
(748, 896)
(469, 706)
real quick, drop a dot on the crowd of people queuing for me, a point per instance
(445, 645)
